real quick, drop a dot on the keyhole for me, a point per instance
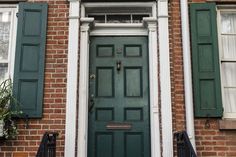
(118, 65)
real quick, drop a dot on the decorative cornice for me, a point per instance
(150, 23)
(86, 23)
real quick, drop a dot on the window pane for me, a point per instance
(118, 19)
(139, 18)
(3, 71)
(5, 18)
(229, 47)
(230, 100)
(228, 22)
(229, 74)
(98, 18)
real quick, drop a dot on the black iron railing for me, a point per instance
(184, 146)
(47, 147)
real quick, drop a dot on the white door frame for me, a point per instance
(149, 27)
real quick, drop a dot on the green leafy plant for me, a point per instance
(7, 113)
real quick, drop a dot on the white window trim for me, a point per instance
(12, 37)
(223, 8)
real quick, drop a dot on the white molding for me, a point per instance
(83, 87)
(72, 80)
(8, 6)
(119, 4)
(188, 91)
(13, 42)
(153, 85)
(151, 5)
(166, 110)
(110, 29)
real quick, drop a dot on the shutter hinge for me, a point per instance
(17, 14)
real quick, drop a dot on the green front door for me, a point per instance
(119, 97)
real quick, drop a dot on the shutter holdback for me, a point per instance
(207, 123)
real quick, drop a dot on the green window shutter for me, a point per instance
(205, 60)
(29, 58)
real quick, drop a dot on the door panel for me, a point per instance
(119, 97)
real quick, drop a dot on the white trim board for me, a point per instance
(112, 29)
(72, 82)
(165, 87)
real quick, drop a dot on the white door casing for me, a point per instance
(148, 28)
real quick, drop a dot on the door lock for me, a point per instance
(118, 65)
(92, 76)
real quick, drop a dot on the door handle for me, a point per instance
(91, 103)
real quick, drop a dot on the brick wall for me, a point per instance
(176, 61)
(53, 119)
(210, 141)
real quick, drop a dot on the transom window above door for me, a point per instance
(118, 12)
(119, 18)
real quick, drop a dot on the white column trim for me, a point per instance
(188, 92)
(83, 87)
(166, 110)
(72, 79)
(153, 85)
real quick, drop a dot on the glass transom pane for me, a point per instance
(118, 18)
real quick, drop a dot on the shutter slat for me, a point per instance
(205, 60)
(29, 58)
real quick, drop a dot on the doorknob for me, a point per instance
(91, 103)
(118, 65)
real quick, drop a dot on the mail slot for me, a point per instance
(118, 126)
